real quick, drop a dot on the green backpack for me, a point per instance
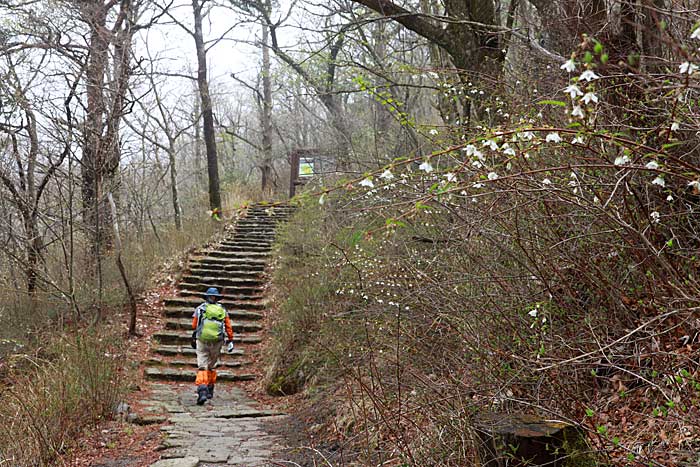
(211, 328)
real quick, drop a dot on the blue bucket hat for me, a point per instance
(212, 292)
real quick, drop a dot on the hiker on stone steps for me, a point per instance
(211, 324)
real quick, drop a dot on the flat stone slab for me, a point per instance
(176, 374)
(193, 302)
(181, 462)
(184, 338)
(186, 312)
(231, 429)
(189, 351)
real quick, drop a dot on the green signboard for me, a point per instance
(306, 167)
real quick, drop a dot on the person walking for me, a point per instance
(212, 327)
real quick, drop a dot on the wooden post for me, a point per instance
(294, 172)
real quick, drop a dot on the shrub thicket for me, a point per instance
(547, 265)
(70, 385)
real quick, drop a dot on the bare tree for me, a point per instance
(33, 170)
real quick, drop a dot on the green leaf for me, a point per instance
(598, 48)
(588, 57)
(394, 223)
(421, 206)
(589, 413)
(553, 102)
(616, 441)
(602, 429)
(604, 58)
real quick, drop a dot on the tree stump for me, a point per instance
(506, 440)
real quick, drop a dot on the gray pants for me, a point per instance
(208, 354)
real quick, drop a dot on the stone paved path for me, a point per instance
(229, 429)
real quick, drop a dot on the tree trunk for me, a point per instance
(173, 184)
(207, 110)
(266, 165)
(93, 163)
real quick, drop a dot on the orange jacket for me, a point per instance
(227, 324)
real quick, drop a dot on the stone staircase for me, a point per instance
(236, 266)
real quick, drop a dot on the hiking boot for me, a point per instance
(202, 393)
(210, 391)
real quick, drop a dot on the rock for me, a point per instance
(136, 419)
(122, 408)
(523, 440)
(180, 462)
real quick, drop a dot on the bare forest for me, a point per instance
(502, 215)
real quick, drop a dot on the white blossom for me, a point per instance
(546, 181)
(450, 177)
(491, 144)
(426, 167)
(659, 181)
(553, 137)
(433, 132)
(652, 165)
(532, 313)
(492, 176)
(569, 65)
(573, 91)
(622, 160)
(669, 198)
(687, 68)
(695, 185)
(470, 149)
(655, 217)
(528, 135)
(322, 199)
(478, 185)
(477, 164)
(695, 34)
(509, 152)
(588, 75)
(367, 182)
(577, 112)
(578, 140)
(675, 126)
(589, 97)
(387, 175)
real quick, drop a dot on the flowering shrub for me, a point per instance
(548, 267)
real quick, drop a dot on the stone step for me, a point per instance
(197, 295)
(253, 236)
(268, 227)
(190, 363)
(243, 248)
(194, 302)
(198, 288)
(243, 242)
(238, 255)
(186, 323)
(187, 351)
(230, 263)
(226, 273)
(176, 374)
(185, 337)
(240, 315)
(194, 278)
